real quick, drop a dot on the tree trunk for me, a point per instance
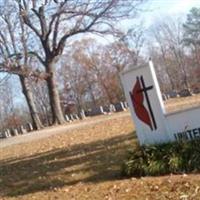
(122, 96)
(57, 114)
(31, 104)
(106, 90)
(94, 102)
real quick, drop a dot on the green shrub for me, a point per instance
(177, 157)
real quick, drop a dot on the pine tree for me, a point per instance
(192, 27)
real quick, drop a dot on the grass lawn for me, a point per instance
(85, 163)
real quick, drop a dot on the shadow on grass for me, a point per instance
(93, 162)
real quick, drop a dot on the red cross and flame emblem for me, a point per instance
(138, 95)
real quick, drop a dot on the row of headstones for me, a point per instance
(122, 106)
(16, 131)
(174, 94)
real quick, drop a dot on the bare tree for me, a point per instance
(41, 99)
(6, 102)
(55, 22)
(168, 44)
(97, 68)
(134, 40)
(14, 57)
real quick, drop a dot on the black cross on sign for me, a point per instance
(145, 90)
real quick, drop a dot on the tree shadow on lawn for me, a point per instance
(92, 162)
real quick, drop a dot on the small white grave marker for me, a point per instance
(67, 118)
(101, 110)
(23, 130)
(152, 123)
(30, 127)
(82, 114)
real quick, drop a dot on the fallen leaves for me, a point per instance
(80, 164)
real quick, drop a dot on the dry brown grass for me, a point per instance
(182, 103)
(85, 164)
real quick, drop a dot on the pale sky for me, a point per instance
(172, 6)
(153, 11)
(157, 9)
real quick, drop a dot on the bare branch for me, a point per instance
(4, 42)
(37, 56)
(74, 31)
(41, 16)
(23, 71)
(25, 17)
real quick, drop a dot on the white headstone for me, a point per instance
(101, 110)
(122, 105)
(76, 117)
(125, 104)
(8, 132)
(67, 118)
(15, 131)
(82, 114)
(112, 108)
(23, 130)
(30, 127)
(72, 117)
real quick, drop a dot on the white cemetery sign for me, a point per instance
(153, 124)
